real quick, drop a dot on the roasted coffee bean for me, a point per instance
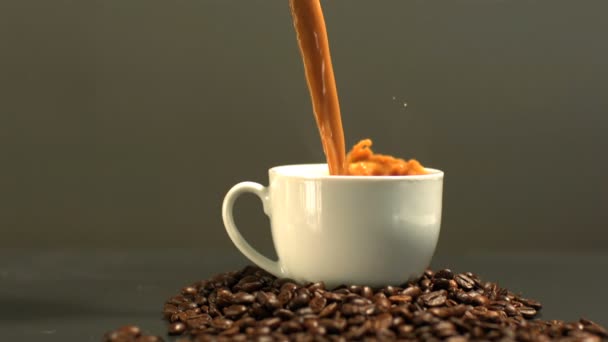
(441, 312)
(444, 274)
(223, 297)
(593, 327)
(284, 314)
(300, 299)
(243, 298)
(382, 321)
(335, 297)
(169, 310)
(235, 311)
(478, 299)
(177, 328)
(439, 306)
(464, 281)
(444, 329)
(401, 311)
(268, 300)
(531, 303)
(412, 291)
(383, 304)
(291, 327)
(189, 291)
(149, 339)
(221, 323)
(527, 312)
(130, 330)
(359, 301)
(258, 311)
(317, 304)
(333, 325)
(329, 310)
(272, 323)
(201, 321)
(432, 299)
(405, 330)
(305, 311)
(231, 331)
(289, 286)
(356, 320)
(285, 297)
(399, 299)
(367, 292)
(187, 306)
(259, 330)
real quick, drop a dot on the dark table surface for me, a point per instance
(76, 295)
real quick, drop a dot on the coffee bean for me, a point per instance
(332, 296)
(383, 304)
(464, 281)
(290, 327)
(317, 304)
(527, 312)
(444, 274)
(284, 314)
(441, 312)
(356, 320)
(399, 299)
(439, 306)
(285, 297)
(289, 286)
(189, 291)
(359, 300)
(305, 311)
(413, 291)
(234, 311)
(444, 329)
(300, 299)
(200, 321)
(367, 292)
(177, 328)
(436, 298)
(385, 335)
(329, 310)
(593, 327)
(405, 330)
(259, 330)
(425, 284)
(242, 298)
(333, 325)
(478, 299)
(223, 297)
(382, 321)
(149, 339)
(401, 311)
(531, 303)
(221, 323)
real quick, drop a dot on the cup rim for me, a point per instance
(281, 170)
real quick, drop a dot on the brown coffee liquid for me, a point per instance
(312, 37)
(309, 23)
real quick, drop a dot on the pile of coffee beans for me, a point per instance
(253, 305)
(129, 333)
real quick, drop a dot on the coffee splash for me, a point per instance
(311, 32)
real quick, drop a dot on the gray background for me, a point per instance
(123, 123)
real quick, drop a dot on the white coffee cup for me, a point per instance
(355, 230)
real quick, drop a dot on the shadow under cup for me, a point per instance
(359, 230)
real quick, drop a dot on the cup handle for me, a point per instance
(239, 241)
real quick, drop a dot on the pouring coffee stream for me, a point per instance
(309, 24)
(311, 32)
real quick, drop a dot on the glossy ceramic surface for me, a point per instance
(361, 230)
